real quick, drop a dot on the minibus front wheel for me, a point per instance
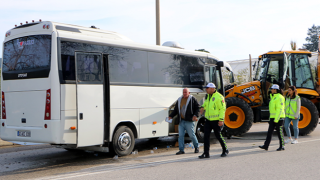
(123, 141)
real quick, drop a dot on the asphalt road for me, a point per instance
(245, 161)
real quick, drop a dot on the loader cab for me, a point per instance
(285, 68)
(300, 74)
(272, 69)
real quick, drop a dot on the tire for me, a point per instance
(123, 141)
(238, 118)
(309, 117)
(153, 139)
(200, 130)
(73, 150)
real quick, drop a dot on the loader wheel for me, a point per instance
(238, 118)
(309, 117)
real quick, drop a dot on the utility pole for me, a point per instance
(158, 22)
(250, 67)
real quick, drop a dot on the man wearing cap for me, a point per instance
(277, 115)
(187, 109)
(215, 107)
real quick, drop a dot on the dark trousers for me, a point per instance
(279, 129)
(208, 126)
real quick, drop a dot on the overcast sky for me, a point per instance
(229, 29)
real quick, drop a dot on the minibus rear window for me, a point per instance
(27, 57)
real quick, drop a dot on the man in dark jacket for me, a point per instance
(187, 109)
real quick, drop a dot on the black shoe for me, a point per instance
(280, 149)
(225, 153)
(196, 150)
(263, 147)
(180, 152)
(204, 156)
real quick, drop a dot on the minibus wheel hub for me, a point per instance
(124, 141)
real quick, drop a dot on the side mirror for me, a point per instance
(232, 77)
(220, 63)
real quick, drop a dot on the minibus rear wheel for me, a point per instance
(123, 141)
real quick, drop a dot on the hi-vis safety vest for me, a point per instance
(215, 107)
(276, 107)
(291, 109)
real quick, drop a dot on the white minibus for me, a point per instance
(90, 89)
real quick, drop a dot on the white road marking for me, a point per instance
(134, 166)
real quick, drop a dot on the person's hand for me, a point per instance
(170, 118)
(194, 118)
(296, 117)
(201, 111)
(220, 123)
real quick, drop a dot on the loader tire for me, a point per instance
(238, 117)
(309, 117)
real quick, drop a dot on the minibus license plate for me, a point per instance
(24, 133)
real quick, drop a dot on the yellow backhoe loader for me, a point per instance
(248, 103)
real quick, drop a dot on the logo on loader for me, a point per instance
(245, 90)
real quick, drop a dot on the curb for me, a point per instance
(6, 143)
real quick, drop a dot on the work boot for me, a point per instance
(196, 150)
(204, 155)
(180, 152)
(280, 149)
(263, 147)
(225, 153)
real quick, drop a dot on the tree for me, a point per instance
(242, 76)
(202, 50)
(312, 39)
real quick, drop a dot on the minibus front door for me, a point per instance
(90, 100)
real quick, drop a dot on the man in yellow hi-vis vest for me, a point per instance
(277, 115)
(215, 107)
